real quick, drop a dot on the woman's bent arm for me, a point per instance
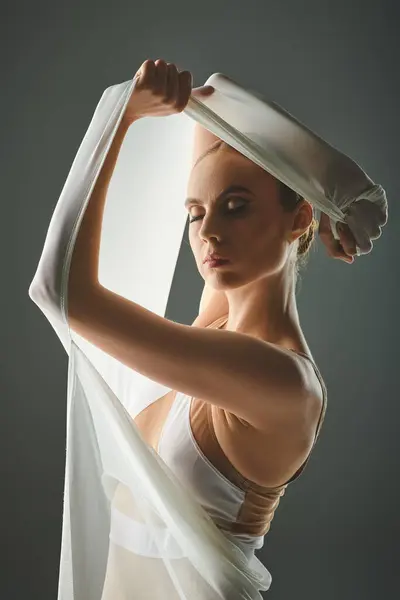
(255, 380)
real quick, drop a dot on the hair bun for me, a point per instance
(307, 238)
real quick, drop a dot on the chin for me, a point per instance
(226, 280)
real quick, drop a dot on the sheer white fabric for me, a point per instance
(280, 144)
(114, 480)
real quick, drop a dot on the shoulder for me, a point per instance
(293, 412)
(284, 392)
(287, 443)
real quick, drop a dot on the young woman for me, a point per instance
(247, 401)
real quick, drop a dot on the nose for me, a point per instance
(210, 228)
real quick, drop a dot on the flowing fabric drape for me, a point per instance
(172, 549)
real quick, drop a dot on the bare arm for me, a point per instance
(266, 385)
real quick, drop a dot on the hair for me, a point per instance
(289, 200)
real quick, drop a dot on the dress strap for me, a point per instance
(323, 386)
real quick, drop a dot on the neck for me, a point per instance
(267, 309)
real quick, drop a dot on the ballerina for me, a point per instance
(246, 400)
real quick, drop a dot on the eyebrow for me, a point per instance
(229, 190)
(215, 146)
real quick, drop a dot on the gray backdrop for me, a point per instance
(335, 66)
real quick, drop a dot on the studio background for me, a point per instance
(335, 66)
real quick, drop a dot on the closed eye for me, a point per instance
(230, 212)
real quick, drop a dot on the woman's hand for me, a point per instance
(372, 215)
(345, 248)
(161, 91)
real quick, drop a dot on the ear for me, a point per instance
(302, 219)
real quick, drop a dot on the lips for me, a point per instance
(216, 264)
(214, 257)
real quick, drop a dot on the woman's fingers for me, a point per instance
(146, 72)
(160, 84)
(185, 89)
(347, 239)
(203, 90)
(161, 90)
(174, 87)
(333, 246)
(172, 83)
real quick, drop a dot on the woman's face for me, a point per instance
(249, 228)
